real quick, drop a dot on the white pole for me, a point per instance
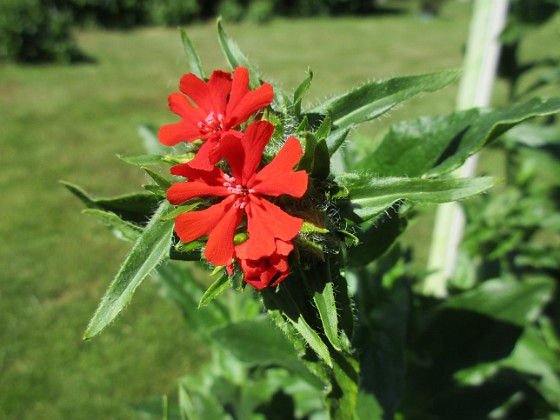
(475, 90)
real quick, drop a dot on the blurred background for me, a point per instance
(77, 78)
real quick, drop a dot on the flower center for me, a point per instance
(239, 190)
(211, 124)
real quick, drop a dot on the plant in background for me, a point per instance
(254, 194)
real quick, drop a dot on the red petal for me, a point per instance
(172, 134)
(261, 239)
(219, 248)
(192, 225)
(277, 177)
(220, 87)
(256, 137)
(281, 224)
(182, 191)
(202, 160)
(243, 102)
(233, 151)
(180, 105)
(284, 248)
(213, 177)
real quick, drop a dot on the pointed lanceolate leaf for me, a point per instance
(323, 296)
(143, 160)
(215, 290)
(492, 125)
(321, 161)
(370, 196)
(148, 251)
(191, 54)
(136, 207)
(374, 99)
(120, 228)
(411, 148)
(301, 91)
(437, 145)
(235, 57)
(335, 139)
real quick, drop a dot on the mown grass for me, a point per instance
(69, 123)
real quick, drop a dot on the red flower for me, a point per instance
(222, 104)
(243, 192)
(266, 271)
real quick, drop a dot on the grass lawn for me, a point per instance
(68, 122)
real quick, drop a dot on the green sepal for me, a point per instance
(349, 238)
(309, 227)
(135, 207)
(148, 251)
(189, 246)
(321, 161)
(374, 99)
(325, 128)
(234, 56)
(306, 161)
(300, 92)
(303, 126)
(122, 229)
(193, 59)
(215, 289)
(311, 247)
(370, 196)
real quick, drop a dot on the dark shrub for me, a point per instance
(36, 31)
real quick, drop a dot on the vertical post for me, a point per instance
(475, 90)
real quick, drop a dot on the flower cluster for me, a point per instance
(229, 166)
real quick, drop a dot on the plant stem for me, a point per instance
(475, 89)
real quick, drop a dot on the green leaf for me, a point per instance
(309, 227)
(162, 182)
(193, 60)
(121, 229)
(143, 160)
(196, 405)
(148, 251)
(234, 56)
(289, 308)
(411, 148)
(336, 139)
(136, 207)
(376, 238)
(179, 284)
(215, 290)
(301, 91)
(517, 302)
(268, 344)
(370, 196)
(532, 356)
(323, 296)
(492, 125)
(374, 99)
(367, 407)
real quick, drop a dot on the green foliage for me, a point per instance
(35, 31)
(407, 354)
(173, 12)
